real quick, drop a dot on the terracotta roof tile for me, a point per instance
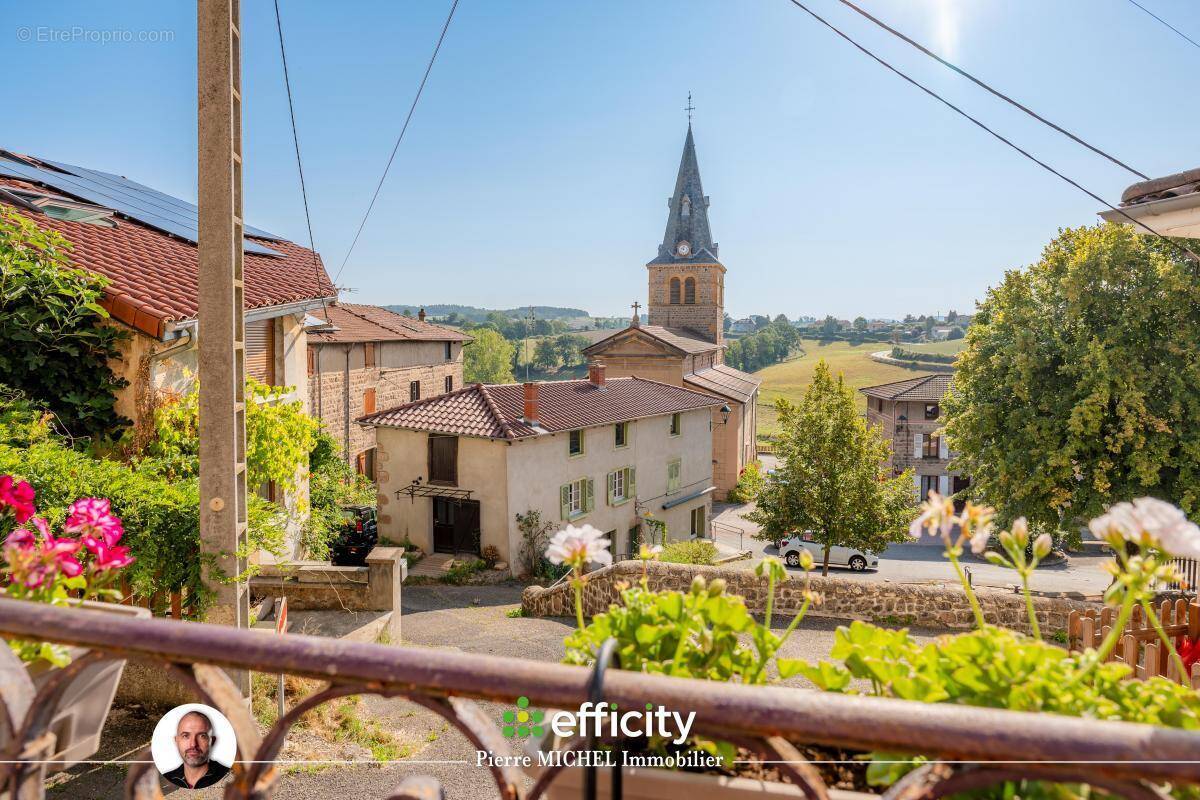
(725, 381)
(359, 323)
(155, 274)
(494, 410)
(925, 387)
(678, 338)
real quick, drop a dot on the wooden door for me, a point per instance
(444, 514)
(466, 527)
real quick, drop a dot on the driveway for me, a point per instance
(471, 619)
(922, 563)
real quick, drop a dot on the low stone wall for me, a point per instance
(315, 586)
(908, 604)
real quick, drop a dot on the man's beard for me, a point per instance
(194, 758)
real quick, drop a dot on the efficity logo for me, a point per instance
(600, 720)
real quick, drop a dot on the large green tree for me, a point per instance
(833, 478)
(1079, 385)
(489, 358)
(55, 339)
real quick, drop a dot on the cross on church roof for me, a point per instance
(689, 108)
(636, 317)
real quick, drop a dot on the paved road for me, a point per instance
(471, 619)
(923, 563)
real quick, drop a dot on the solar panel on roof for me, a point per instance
(126, 197)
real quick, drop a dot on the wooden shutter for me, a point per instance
(943, 485)
(589, 495)
(943, 448)
(631, 483)
(312, 360)
(612, 487)
(918, 445)
(564, 501)
(917, 487)
(443, 459)
(369, 401)
(260, 351)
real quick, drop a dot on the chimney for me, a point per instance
(421, 315)
(596, 374)
(531, 404)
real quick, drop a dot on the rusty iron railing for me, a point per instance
(975, 747)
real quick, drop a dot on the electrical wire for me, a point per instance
(1184, 250)
(287, 82)
(995, 92)
(1187, 38)
(399, 138)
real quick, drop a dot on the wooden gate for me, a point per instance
(1139, 646)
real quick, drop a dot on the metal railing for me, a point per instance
(975, 747)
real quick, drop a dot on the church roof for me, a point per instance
(724, 380)
(688, 216)
(684, 341)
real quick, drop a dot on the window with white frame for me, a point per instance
(575, 443)
(699, 520)
(576, 498)
(674, 470)
(622, 486)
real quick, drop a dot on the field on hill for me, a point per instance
(791, 378)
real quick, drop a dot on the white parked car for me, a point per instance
(857, 560)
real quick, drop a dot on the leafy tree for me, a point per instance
(57, 342)
(830, 325)
(1079, 384)
(489, 358)
(860, 323)
(951, 315)
(727, 323)
(781, 319)
(545, 354)
(955, 333)
(832, 478)
(569, 347)
(760, 321)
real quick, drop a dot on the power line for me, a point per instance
(399, 138)
(993, 133)
(287, 82)
(1187, 38)
(995, 92)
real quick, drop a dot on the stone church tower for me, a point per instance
(687, 282)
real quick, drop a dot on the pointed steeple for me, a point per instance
(687, 238)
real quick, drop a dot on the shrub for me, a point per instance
(462, 571)
(693, 551)
(491, 555)
(749, 483)
(332, 484)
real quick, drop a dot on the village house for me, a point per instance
(456, 469)
(684, 343)
(364, 358)
(1169, 206)
(144, 243)
(909, 415)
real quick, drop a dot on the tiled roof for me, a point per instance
(358, 323)
(153, 275)
(494, 410)
(1176, 185)
(725, 381)
(682, 340)
(926, 387)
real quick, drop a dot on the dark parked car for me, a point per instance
(356, 538)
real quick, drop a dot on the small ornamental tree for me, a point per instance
(832, 479)
(1079, 385)
(54, 342)
(489, 358)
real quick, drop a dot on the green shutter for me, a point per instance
(612, 487)
(631, 482)
(589, 495)
(564, 500)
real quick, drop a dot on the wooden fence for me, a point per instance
(173, 604)
(1189, 573)
(1139, 646)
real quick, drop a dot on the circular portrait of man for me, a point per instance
(193, 746)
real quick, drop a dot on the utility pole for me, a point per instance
(223, 519)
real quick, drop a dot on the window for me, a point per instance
(369, 401)
(932, 411)
(576, 498)
(369, 354)
(929, 483)
(674, 291)
(622, 486)
(674, 467)
(676, 424)
(443, 459)
(575, 443)
(414, 391)
(364, 464)
(449, 351)
(689, 291)
(449, 384)
(931, 446)
(312, 360)
(621, 434)
(699, 522)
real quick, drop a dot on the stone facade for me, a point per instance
(340, 377)
(706, 316)
(901, 423)
(913, 604)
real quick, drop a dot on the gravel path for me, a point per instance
(467, 618)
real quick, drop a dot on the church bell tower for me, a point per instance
(686, 281)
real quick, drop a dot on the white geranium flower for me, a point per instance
(937, 516)
(1148, 520)
(649, 552)
(577, 547)
(979, 541)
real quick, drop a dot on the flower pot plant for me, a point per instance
(75, 568)
(708, 634)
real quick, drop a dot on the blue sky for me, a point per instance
(538, 163)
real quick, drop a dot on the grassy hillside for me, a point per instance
(792, 377)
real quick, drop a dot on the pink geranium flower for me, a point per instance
(113, 557)
(61, 553)
(93, 520)
(16, 498)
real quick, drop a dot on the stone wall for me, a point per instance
(908, 604)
